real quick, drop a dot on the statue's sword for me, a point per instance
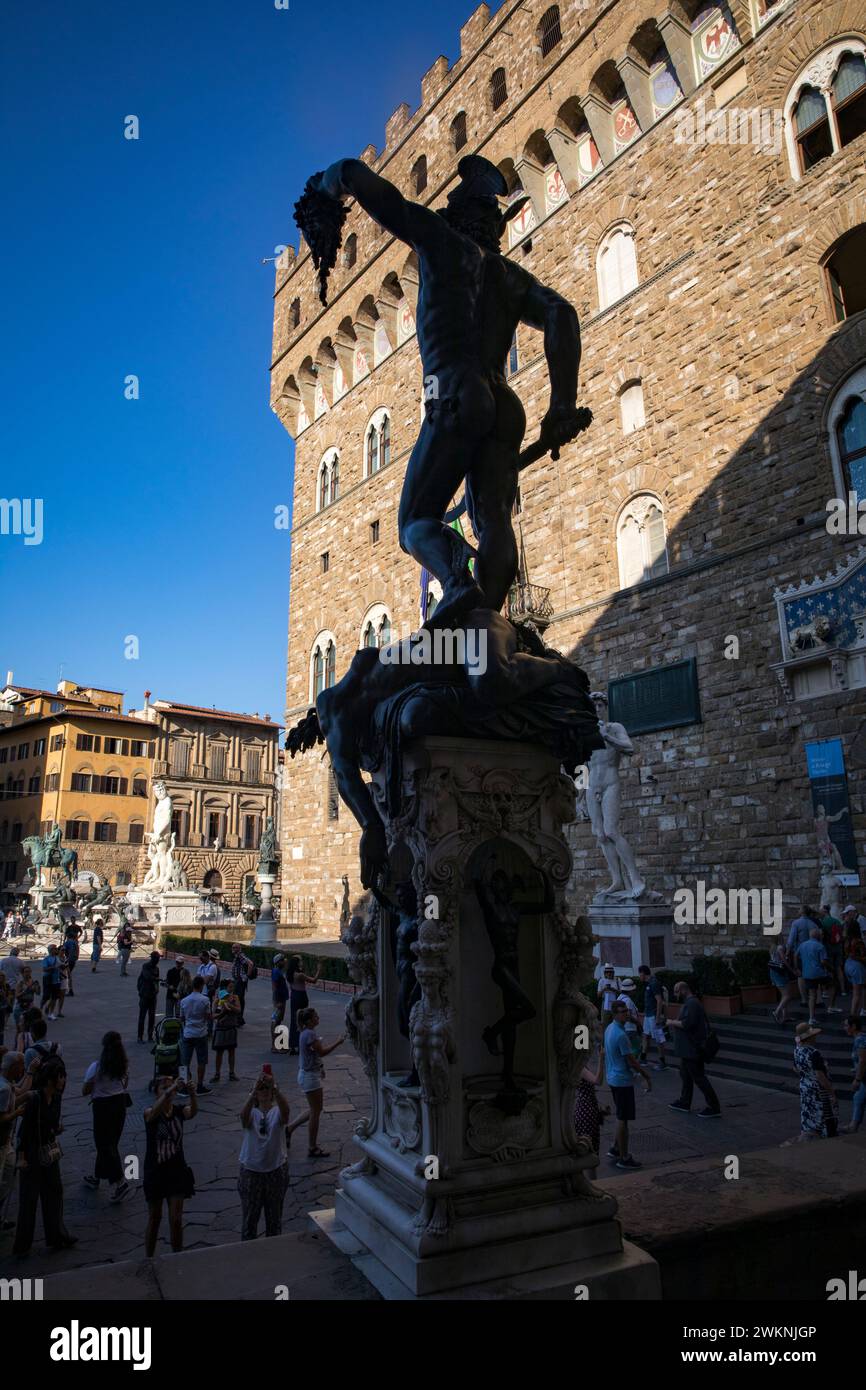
(533, 452)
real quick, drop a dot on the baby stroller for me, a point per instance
(166, 1050)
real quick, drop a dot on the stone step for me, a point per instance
(757, 1050)
(302, 1267)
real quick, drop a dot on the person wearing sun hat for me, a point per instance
(608, 989)
(626, 994)
(819, 1109)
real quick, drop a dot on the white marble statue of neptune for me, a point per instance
(603, 805)
(160, 842)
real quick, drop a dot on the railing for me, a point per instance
(530, 601)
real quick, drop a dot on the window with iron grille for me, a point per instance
(549, 30)
(498, 89)
(419, 174)
(333, 796)
(458, 130)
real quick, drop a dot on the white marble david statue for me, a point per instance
(603, 806)
(160, 842)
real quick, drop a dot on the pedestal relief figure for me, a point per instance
(502, 919)
(603, 803)
(403, 913)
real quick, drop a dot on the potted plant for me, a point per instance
(667, 979)
(717, 986)
(751, 973)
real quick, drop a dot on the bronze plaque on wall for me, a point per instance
(662, 698)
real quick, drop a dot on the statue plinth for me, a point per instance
(265, 922)
(474, 1177)
(632, 932)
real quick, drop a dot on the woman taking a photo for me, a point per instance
(264, 1176)
(167, 1175)
(310, 1076)
(106, 1083)
(298, 982)
(39, 1179)
(227, 1012)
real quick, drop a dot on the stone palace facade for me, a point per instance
(696, 182)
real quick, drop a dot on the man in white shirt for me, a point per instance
(195, 1012)
(12, 965)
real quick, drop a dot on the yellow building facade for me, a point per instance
(72, 758)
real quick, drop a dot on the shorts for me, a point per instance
(310, 1080)
(198, 1046)
(780, 979)
(623, 1099)
(855, 971)
(652, 1029)
(817, 981)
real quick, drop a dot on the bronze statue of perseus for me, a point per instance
(471, 299)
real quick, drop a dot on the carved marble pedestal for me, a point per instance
(631, 934)
(468, 1187)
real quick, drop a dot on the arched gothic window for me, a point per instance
(641, 541)
(329, 480)
(826, 107)
(377, 443)
(846, 424)
(323, 664)
(616, 265)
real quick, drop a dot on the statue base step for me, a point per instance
(620, 1275)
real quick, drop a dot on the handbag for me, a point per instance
(51, 1152)
(710, 1046)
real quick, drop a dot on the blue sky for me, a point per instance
(144, 257)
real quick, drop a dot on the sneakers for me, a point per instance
(660, 1066)
(628, 1162)
(122, 1190)
(613, 1152)
(91, 1181)
(678, 1105)
(708, 1114)
(203, 1090)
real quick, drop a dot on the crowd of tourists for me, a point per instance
(821, 962)
(189, 1017)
